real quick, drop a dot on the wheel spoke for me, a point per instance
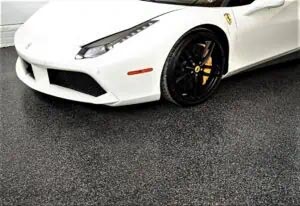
(181, 78)
(196, 86)
(191, 57)
(184, 83)
(183, 65)
(216, 72)
(189, 68)
(208, 50)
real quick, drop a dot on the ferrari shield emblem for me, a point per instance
(228, 18)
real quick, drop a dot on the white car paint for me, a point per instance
(266, 34)
(54, 35)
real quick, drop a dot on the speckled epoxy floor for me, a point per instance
(242, 147)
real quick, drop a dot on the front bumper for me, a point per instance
(110, 71)
(40, 81)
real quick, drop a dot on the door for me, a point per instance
(266, 33)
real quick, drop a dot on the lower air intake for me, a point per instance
(28, 69)
(76, 81)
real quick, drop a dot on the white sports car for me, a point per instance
(127, 52)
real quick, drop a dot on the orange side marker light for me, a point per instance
(141, 71)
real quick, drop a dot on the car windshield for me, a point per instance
(205, 3)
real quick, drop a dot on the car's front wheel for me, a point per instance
(194, 68)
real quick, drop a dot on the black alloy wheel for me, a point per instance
(194, 68)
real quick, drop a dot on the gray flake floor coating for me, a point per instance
(242, 147)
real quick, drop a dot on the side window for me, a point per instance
(209, 3)
(240, 2)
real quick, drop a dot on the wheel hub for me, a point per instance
(198, 69)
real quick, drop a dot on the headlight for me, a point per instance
(104, 45)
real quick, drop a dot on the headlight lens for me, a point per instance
(104, 45)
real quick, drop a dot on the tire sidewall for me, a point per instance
(169, 67)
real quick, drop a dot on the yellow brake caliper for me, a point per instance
(207, 70)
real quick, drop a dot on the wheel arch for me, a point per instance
(223, 38)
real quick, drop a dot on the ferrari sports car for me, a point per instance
(134, 51)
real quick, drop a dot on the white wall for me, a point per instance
(12, 15)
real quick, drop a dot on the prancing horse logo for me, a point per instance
(228, 18)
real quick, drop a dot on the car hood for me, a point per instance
(78, 23)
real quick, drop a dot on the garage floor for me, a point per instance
(242, 147)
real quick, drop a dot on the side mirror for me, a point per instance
(259, 5)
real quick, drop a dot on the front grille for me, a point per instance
(28, 69)
(76, 81)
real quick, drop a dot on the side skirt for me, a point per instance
(285, 57)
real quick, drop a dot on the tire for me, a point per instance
(194, 68)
